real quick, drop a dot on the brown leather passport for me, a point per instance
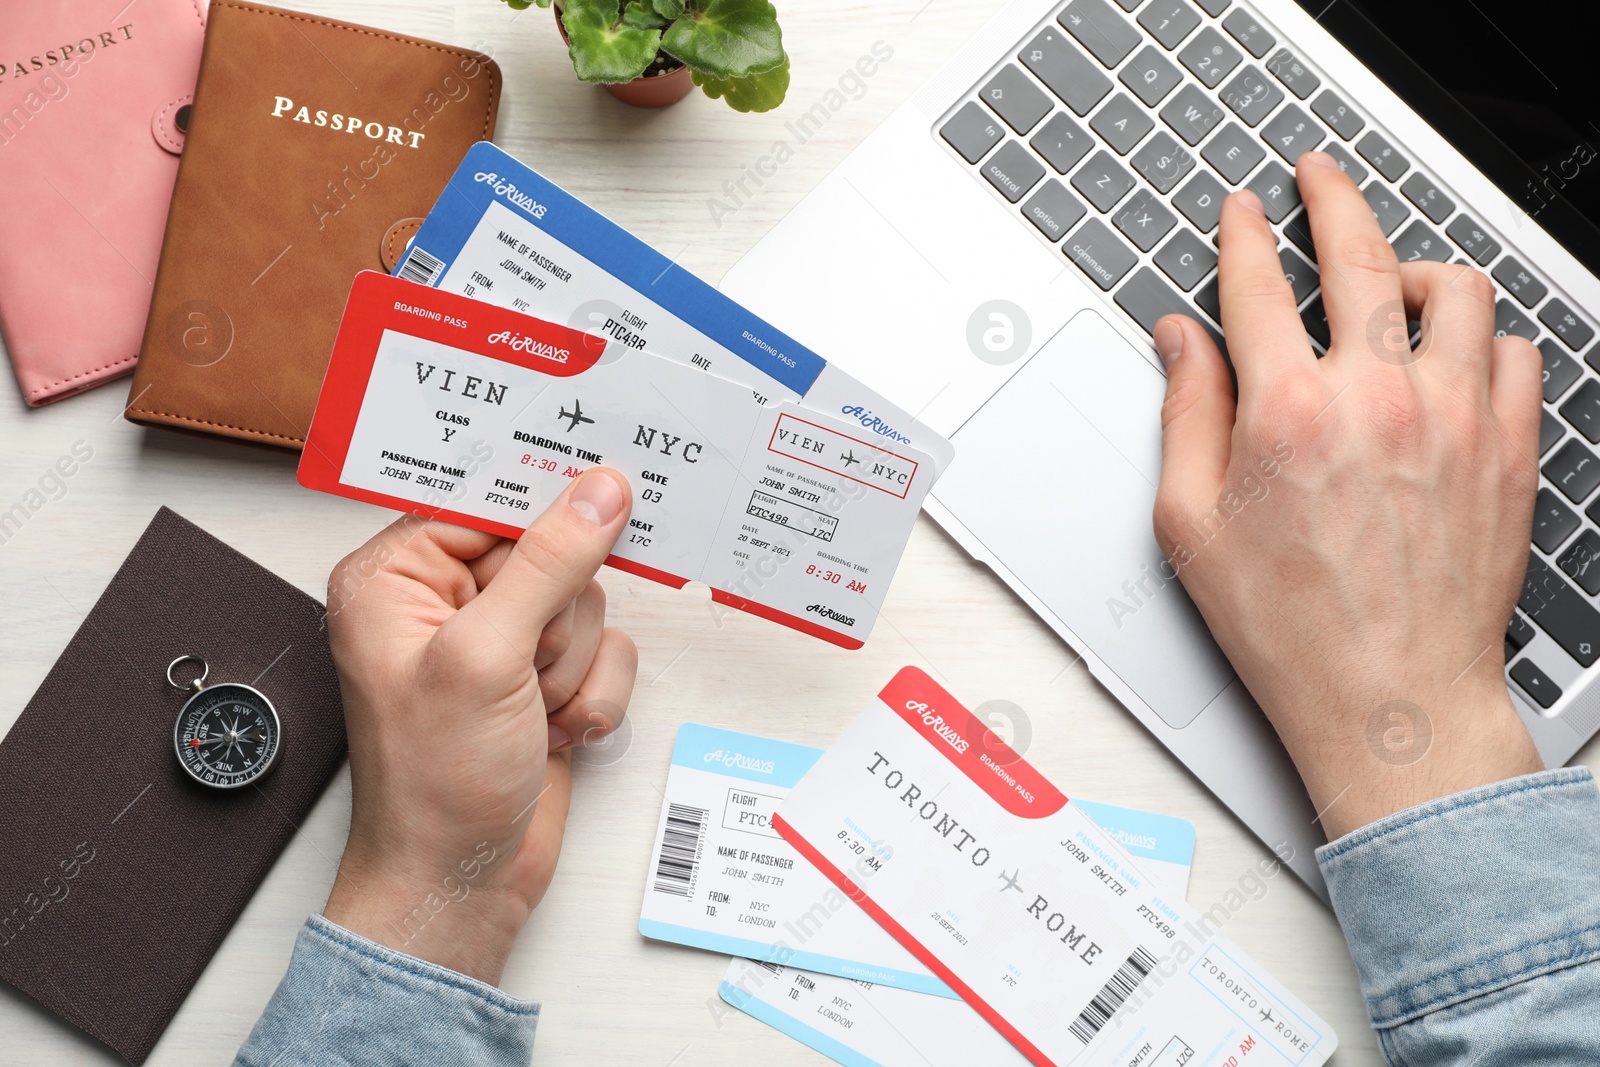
(314, 148)
(120, 875)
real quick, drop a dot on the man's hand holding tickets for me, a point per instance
(470, 665)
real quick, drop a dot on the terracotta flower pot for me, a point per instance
(653, 88)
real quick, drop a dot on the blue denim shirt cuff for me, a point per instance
(349, 1000)
(1471, 893)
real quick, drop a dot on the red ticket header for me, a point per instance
(967, 742)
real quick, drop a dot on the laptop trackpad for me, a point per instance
(1056, 475)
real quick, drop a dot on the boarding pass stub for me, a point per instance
(503, 233)
(452, 408)
(1037, 917)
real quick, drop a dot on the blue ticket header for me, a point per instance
(487, 175)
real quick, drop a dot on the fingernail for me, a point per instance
(1250, 201)
(597, 497)
(1169, 340)
(558, 738)
(1321, 159)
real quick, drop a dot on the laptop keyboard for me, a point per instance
(1118, 128)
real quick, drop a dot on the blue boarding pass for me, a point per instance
(502, 233)
(723, 879)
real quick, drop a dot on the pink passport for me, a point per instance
(92, 109)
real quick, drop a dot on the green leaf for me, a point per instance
(668, 9)
(603, 51)
(639, 15)
(523, 5)
(727, 38)
(754, 92)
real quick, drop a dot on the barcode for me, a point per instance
(680, 849)
(1104, 1004)
(420, 267)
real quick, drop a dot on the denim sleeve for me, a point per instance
(1474, 921)
(348, 1001)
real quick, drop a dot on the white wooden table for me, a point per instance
(611, 997)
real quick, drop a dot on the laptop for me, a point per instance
(994, 256)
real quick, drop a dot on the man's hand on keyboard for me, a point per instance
(1355, 529)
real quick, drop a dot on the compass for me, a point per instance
(227, 735)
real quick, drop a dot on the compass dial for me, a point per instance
(227, 735)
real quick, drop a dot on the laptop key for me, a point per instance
(1067, 72)
(1100, 254)
(1298, 230)
(1560, 371)
(1145, 297)
(1301, 276)
(1291, 72)
(1129, 5)
(1013, 171)
(1234, 153)
(1519, 282)
(1331, 108)
(1277, 190)
(1292, 133)
(1347, 163)
(1162, 162)
(1510, 322)
(1186, 259)
(1574, 470)
(1200, 201)
(1550, 432)
(1466, 232)
(1553, 523)
(1209, 298)
(1560, 611)
(1144, 219)
(1209, 57)
(1251, 97)
(1061, 142)
(1315, 318)
(1520, 631)
(1559, 320)
(971, 131)
(1214, 7)
(1012, 95)
(1535, 683)
(1382, 155)
(1582, 410)
(1053, 210)
(1386, 206)
(1103, 181)
(1243, 27)
(1169, 21)
(1191, 114)
(1420, 190)
(1150, 75)
(1416, 242)
(1122, 123)
(1099, 29)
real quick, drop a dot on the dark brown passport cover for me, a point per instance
(278, 206)
(119, 876)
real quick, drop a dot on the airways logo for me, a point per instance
(521, 343)
(935, 722)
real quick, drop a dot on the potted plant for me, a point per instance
(650, 53)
